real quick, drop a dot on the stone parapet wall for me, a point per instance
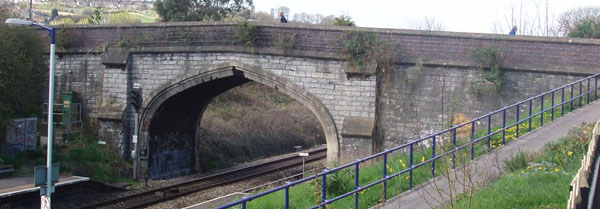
(563, 55)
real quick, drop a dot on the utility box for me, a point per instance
(67, 110)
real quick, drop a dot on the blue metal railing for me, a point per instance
(504, 112)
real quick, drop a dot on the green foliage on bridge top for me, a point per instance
(343, 21)
(23, 72)
(487, 60)
(247, 33)
(365, 52)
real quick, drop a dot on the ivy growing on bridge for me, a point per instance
(247, 33)
(487, 60)
(365, 52)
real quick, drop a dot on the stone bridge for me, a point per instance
(183, 66)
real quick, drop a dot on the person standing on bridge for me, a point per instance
(282, 18)
(513, 31)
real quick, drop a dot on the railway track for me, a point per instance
(154, 196)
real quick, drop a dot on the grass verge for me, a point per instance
(540, 183)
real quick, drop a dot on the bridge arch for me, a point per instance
(174, 110)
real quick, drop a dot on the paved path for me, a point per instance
(489, 167)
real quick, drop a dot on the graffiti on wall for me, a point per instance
(20, 136)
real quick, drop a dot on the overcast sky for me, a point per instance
(455, 15)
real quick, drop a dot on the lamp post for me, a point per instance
(19, 22)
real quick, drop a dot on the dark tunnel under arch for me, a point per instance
(170, 117)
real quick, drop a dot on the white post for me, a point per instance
(50, 127)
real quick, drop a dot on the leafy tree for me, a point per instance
(586, 29)
(23, 72)
(344, 21)
(199, 10)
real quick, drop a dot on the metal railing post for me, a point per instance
(472, 139)
(454, 149)
(518, 117)
(542, 112)
(489, 141)
(596, 87)
(410, 165)
(562, 102)
(356, 183)
(433, 157)
(385, 156)
(324, 190)
(504, 126)
(287, 196)
(530, 113)
(580, 93)
(552, 118)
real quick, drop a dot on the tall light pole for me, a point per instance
(49, 186)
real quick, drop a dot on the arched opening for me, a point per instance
(172, 116)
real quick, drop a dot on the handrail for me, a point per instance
(554, 106)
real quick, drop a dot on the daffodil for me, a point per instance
(569, 153)
(523, 172)
(423, 159)
(556, 170)
(540, 168)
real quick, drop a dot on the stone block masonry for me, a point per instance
(406, 105)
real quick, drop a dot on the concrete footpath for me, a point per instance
(488, 168)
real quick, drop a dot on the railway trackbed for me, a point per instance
(155, 196)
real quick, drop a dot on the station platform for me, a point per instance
(11, 186)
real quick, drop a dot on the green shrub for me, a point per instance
(247, 33)
(515, 163)
(488, 61)
(340, 182)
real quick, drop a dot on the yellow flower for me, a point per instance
(528, 167)
(523, 171)
(407, 177)
(569, 153)
(540, 168)
(423, 159)
(556, 170)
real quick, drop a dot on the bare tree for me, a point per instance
(262, 17)
(427, 23)
(304, 18)
(275, 12)
(327, 20)
(519, 14)
(569, 20)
